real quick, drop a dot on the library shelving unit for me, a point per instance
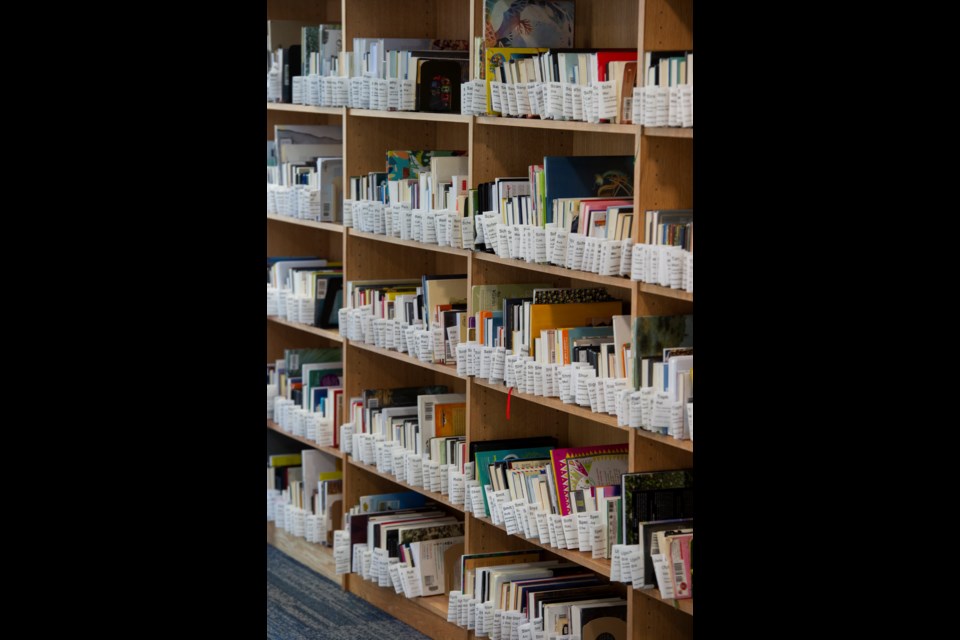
(497, 147)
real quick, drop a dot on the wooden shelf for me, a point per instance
(610, 281)
(557, 405)
(601, 566)
(333, 451)
(558, 125)
(302, 108)
(668, 132)
(329, 334)
(665, 292)
(326, 226)
(409, 243)
(436, 497)
(411, 115)
(450, 370)
(686, 606)
(317, 557)
(409, 610)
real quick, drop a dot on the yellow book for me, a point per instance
(495, 57)
(286, 460)
(451, 419)
(575, 314)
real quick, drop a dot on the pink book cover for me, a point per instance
(584, 467)
(590, 208)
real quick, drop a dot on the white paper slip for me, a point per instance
(367, 557)
(470, 614)
(676, 420)
(585, 524)
(557, 539)
(615, 551)
(496, 100)
(626, 251)
(465, 620)
(543, 530)
(476, 501)
(410, 582)
(394, 576)
(510, 518)
(486, 358)
(444, 478)
(358, 550)
(341, 551)
(497, 365)
(380, 567)
(598, 546)
(457, 488)
(414, 470)
(525, 631)
(626, 573)
(522, 507)
(398, 462)
(453, 604)
(636, 413)
(662, 573)
(462, 357)
(538, 634)
(433, 472)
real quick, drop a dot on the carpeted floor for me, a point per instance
(302, 604)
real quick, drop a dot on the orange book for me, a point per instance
(451, 419)
(574, 314)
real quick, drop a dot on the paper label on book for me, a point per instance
(576, 102)
(341, 551)
(636, 567)
(626, 553)
(428, 234)
(555, 525)
(510, 520)
(510, 91)
(466, 98)
(626, 249)
(486, 356)
(569, 526)
(690, 420)
(662, 572)
(494, 629)
(504, 248)
(476, 501)
(661, 412)
(514, 241)
(414, 470)
(462, 358)
(453, 605)
(496, 101)
(410, 582)
(543, 530)
(615, 552)
(358, 550)
(467, 233)
(673, 106)
(591, 388)
(590, 104)
(280, 515)
(567, 100)
(437, 348)
(675, 267)
(539, 634)
(508, 362)
(525, 631)
(455, 231)
(346, 437)
(378, 565)
(398, 458)
(511, 621)
(606, 93)
(469, 613)
(522, 507)
(416, 225)
(598, 545)
(366, 558)
(582, 375)
(675, 409)
(497, 362)
(523, 100)
(636, 419)
(424, 345)
(431, 475)
(444, 478)
(457, 488)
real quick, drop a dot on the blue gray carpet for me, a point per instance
(302, 604)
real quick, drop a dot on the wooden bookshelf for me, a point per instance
(325, 226)
(558, 125)
(411, 115)
(302, 108)
(329, 334)
(316, 556)
(433, 495)
(333, 451)
(497, 146)
(668, 132)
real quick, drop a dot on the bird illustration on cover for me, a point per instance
(613, 183)
(528, 23)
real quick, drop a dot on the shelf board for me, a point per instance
(556, 404)
(329, 334)
(409, 243)
(409, 610)
(333, 451)
(450, 370)
(666, 292)
(302, 108)
(559, 125)
(326, 226)
(317, 557)
(611, 281)
(601, 566)
(685, 606)
(411, 115)
(668, 132)
(437, 497)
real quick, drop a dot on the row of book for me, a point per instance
(305, 289)
(304, 495)
(305, 172)
(305, 393)
(665, 265)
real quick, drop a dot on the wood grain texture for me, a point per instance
(668, 132)
(315, 556)
(376, 237)
(600, 420)
(310, 224)
(488, 410)
(536, 271)
(667, 25)
(320, 10)
(286, 239)
(429, 618)
(606, 23)
(666, 174)
(647, 454)
(443, 19)
(333, 451)
(436, 497)
(372, 256)
(444, 369)
(329, 334)
(655, 618)
(280, 114)
(420, 116)
(280, 336)
(557, 125)
(303, 108)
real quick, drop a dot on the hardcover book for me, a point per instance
(528, 23)
(583, 467)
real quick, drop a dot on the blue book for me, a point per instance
(391, 501)
(586, 177)
(485, 458)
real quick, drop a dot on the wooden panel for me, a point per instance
(655, 619)
(650, 455)
(336, 453)
(559, 125)
(501, 151)
(284, 239)
(486, 538)
(315, 556)
(430, 619)
(489, 422)
(371, 138)
(666, 174)
(367, 370)
(296, 117)
(583, 432)
(646, 304)
(280, 337)
(320, 10)
(667, 25)
(329, 334)
(603, 144)
(444, 19)
(497, 270)
(597, 420)
(606, 23)
(369, 259)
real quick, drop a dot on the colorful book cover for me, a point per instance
(485, 458)
(586, 176)
(584, 467)
(528, 23)
(404, 164)
(495, 58)
(391, 501)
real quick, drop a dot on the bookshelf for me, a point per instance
(497, 147)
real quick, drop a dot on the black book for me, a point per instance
(291, 67)
(657, 495)
(329, 296)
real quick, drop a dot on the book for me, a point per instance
(403, 164)
(583, 467)
(438, 86)
(655, 495)
(586, 176)
(517, 23)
